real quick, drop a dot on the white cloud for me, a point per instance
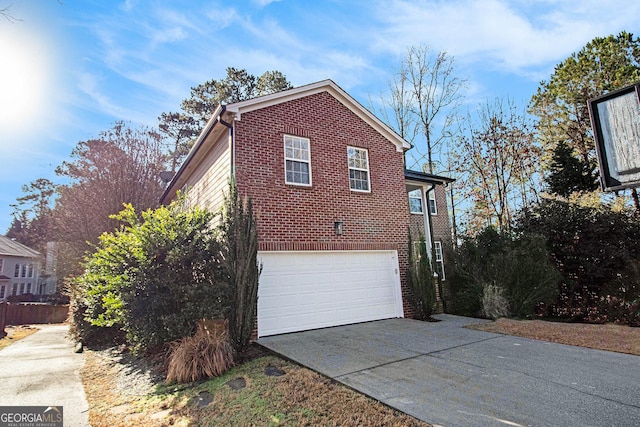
(514, 36)
(263, 3)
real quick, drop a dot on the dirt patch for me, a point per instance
(16, 333)
(618, 338)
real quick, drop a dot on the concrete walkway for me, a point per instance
(445, 374)
(43, 370)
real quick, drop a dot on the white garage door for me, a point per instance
(309, 290)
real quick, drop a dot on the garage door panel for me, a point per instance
(307, 290)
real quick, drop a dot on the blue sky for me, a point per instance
(70, 68)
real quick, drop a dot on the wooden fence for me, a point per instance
(33, 313)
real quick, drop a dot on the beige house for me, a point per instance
(19, 269)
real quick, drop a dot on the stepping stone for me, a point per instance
(272, 371)
(203, 399)
(237, 383)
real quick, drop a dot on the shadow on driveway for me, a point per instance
(445, 374)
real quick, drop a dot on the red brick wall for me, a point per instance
(302, 218)
(440, 222)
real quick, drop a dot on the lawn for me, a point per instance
(122, 393)
(299, 397)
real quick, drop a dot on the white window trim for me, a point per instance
(1, 264)
(438, 257)
(367, 170)
(284, 145)
(432, 197)
(421, 212)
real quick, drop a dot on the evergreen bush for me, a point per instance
(155, 278)
(420, 278)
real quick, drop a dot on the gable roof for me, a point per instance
(322, 86)
(10, 247)
(234, 112)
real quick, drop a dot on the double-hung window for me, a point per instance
(358, 169)
(415, 201)
(297, 159)
(1, 264)
(433, 209)
(439, 261)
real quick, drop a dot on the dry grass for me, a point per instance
(206, 354)
(16, 333)
(300, 397)
(622, 339)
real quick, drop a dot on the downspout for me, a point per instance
(232, 147)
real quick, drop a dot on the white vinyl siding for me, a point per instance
(297, 160)
(209, 182)
(358, 169)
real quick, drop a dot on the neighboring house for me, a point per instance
(19, 269)
(330, 194)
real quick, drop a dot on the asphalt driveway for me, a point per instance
(445, 374)
(43, 370)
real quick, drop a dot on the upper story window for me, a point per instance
(24, 270)
(415, 201)
(1, 264)
(30, 271)
(433, 208)
(16, 271)
(358, 169)
(297, 159)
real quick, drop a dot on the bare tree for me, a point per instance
(435, 94)
(422, 103)
(121, 166)
(498, 160)
(6, 12)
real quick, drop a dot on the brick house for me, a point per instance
(330, 194)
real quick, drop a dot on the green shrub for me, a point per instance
(517, 264)
(155, 278)
(597, 253)
(420, 278)
(240, 260)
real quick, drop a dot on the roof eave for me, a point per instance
(194, 150)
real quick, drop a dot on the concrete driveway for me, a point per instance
(43, 370)
(445, 374)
